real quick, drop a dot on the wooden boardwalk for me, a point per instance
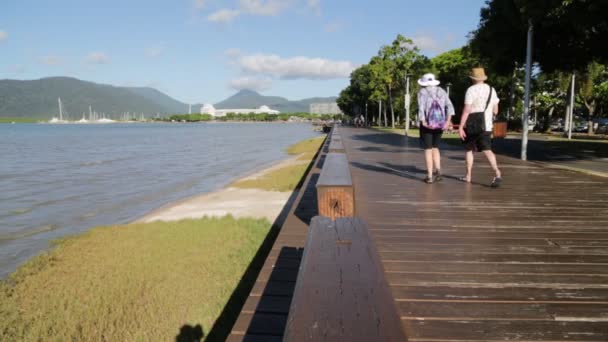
(465, 262)
(526, 262)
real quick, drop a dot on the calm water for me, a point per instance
(57, 180)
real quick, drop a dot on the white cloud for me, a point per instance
(265, 7)
(3, 35)
(333, 27)
(429, 43)
(50, 60)
(223, 16)
(199, 4)
(315, 5)
(155, 51)
(251, 83)
(296, 67)
(232, 53)
(98, 58)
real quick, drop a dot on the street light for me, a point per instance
(407, 103)
(404, 47)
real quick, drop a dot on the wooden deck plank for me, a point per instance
(465, 262)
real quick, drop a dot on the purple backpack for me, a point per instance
(435, 114)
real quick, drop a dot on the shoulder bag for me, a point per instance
(476, 122)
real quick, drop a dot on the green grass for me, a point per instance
(306, 146)
(284, 179)
(18, 120)
(289, 177)
(138, 282)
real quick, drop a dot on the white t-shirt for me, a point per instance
(477, 97)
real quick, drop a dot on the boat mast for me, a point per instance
(60, 109)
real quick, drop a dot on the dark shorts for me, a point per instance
(429, 138)
(478, 143)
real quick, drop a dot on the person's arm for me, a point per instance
(463, 120)
(468, 102)
(421, 116)
(495, 107)
(450, 110)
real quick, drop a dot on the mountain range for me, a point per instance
(38, 99)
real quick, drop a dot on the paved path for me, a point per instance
(465, 262)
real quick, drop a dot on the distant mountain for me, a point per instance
(38, 99)
(251, 99)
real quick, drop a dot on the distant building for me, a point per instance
(325, 108)
(209, 109)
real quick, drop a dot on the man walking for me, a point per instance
(480, 107)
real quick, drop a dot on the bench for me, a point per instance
(335, 193)
(335, 145)
(341, 293)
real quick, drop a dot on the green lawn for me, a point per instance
(289, 177)
(138, 282)
(18, 120)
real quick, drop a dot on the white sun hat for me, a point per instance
(428, 80)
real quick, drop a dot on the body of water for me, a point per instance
(57, 180)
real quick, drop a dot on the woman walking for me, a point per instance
(480, 107)
(435, 111)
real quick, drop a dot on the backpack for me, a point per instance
(435, 114)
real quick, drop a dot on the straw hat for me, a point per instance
(428, 80)
(478, 74)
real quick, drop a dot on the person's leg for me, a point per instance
(426, 141)
(492, 159)
(485, 145)
(469, 161)
(437, 162)
(428, 158)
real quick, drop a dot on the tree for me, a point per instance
(453, 68)
(552, 94)
(568, 34)
(590, 90)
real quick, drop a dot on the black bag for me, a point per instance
(476, 122)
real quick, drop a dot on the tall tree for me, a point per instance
(568, 34)
(590, 90)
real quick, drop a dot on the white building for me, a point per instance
(209, 109)
(325, 108)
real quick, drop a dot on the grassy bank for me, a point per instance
(18, 120)
(286, 178)
(138, 282)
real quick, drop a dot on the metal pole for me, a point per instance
(379, 113)
(366, 119)
(407, 105)
(524, 138)
(571, 107)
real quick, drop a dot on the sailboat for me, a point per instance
(83, 120)
(55, 119)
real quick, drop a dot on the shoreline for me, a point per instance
(229, 200)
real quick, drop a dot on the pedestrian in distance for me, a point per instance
(475, 130)
(435, 111)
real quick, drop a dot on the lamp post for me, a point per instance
(448, 86)
(526, 116)
(407, 104)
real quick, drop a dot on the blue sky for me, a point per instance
(206, 50)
